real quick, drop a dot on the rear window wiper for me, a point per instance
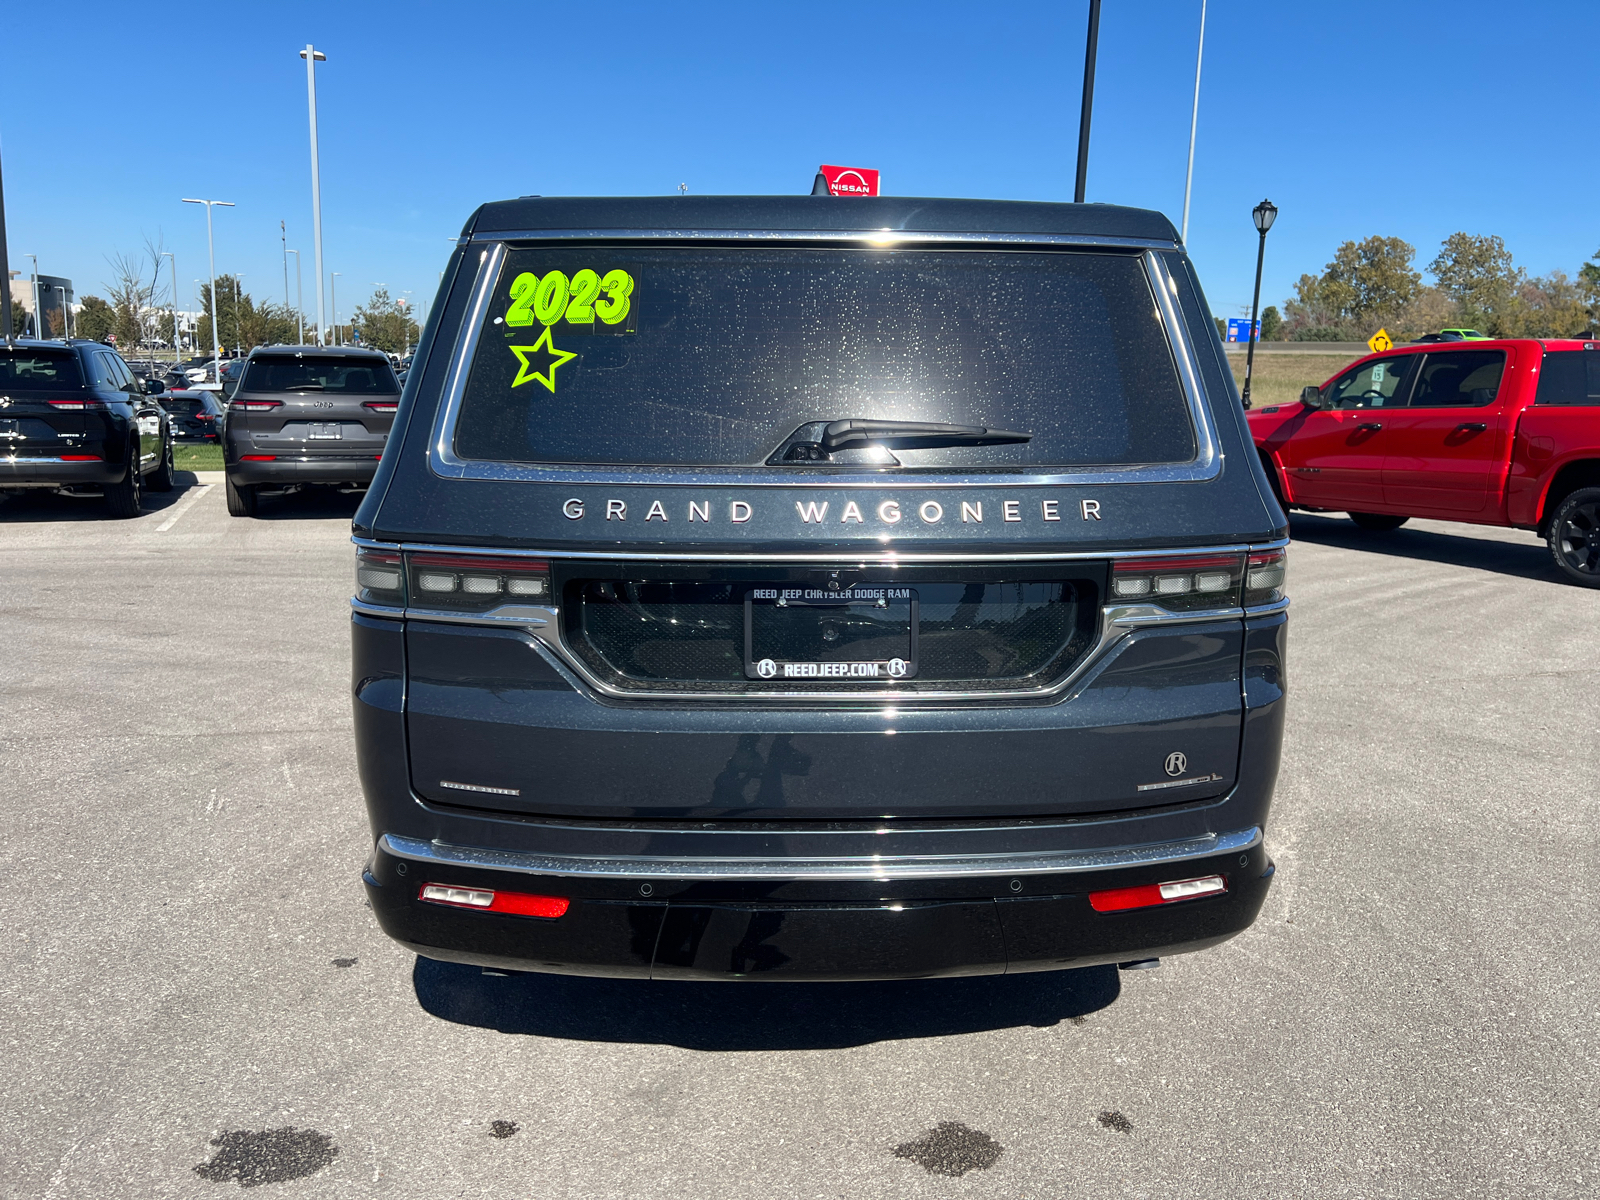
(817, 441)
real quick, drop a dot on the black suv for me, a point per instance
(306, 415)
(818, 588)
(74, 419)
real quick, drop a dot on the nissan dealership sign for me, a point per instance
(850, 181)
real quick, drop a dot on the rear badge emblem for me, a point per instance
(766, 668)
(1177, 763)
(897, 668)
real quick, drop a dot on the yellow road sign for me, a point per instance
(1379, 342)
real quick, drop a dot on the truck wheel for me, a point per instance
(1377, 522)
(242, 499)
(161, 478)
(1574, 537)
(126, 498)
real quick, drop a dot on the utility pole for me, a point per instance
(169, 254)
(1088, 101)
(313, 56)
(1194, 123)
(36, 309)
(299, 297)
(334, 288)
(211, 246)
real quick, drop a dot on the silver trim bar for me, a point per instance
(868, 867)
(866, 237)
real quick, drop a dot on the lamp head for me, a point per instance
(1264, 214)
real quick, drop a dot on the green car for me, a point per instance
(1463, 335)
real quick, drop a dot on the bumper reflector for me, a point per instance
(1152, 894)
(257, 457)
(521, 904)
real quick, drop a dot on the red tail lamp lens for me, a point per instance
(381, 405)
(257, 405)
(80, 458)
(1152, 894)
(74, 405)
(519, 904)
(258, 457)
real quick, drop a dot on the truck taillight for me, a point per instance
(380, 577)
(1264, 577)
(471, 582)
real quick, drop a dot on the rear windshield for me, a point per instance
(715, 356)
(38, 370)
(319, 373)
(183, 404)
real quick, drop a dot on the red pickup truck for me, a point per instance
(1503, 432)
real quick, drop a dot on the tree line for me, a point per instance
(137, 311)
(1372, 285)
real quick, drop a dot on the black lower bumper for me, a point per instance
(48, 472)
(843, 930)
(284, 471)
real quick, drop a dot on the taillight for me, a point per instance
(471, 582)
(1184, 583)
(205, 417)
(381, 405)
(80, 458)
(257, 405)
(1264, 577)
(521, 904)
(74, 405)
(380, 577)
(1152, 894)
(258, 458)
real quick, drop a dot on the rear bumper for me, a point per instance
(779, 919)
(53, 472)
(304, 469)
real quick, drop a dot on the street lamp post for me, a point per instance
(211, 247)
(1264, 214)
(333, 289)
(1088, 101)
(407, 323)
(169, 254)
(1194, 123)
(37, 325)
(299, 300)
(313, 56)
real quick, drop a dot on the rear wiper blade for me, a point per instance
(914, 435)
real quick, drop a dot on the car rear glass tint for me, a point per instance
(183, 404)
(319, 373)
(714, 356)
(1570, 377)
(39, 371)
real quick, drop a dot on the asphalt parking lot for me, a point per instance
(190, 978)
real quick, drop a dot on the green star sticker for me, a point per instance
(549, 359)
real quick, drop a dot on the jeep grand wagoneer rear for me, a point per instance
(817, 589)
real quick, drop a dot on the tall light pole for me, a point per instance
(211, 247)
(334, 288)
(1263, 214)
(5, 272)
(1088, 101)
(169, 254)
(283, 236)
(407, 322)
(299, 302)
(313, 56)
(36, 310)
(1194, 122)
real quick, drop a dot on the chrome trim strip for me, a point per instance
(872, 867)
(868, 237)
(444, 461)
(885, 558)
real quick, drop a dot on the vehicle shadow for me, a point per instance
(756, 1016)
(40, 507)
(312, 504)
(1525, 560)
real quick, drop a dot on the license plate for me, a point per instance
(329, 433)
(867, 632)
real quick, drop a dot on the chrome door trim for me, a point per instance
(445, 462)
(871, 867)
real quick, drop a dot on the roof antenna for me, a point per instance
(683, 189)
(819, 185)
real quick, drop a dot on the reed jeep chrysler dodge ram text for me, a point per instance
(774, 588)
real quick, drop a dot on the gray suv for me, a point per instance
(817, 588)
(306, 415)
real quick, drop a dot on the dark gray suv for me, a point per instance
(306, 415)
(818, 588)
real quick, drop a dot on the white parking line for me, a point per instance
(184, 506)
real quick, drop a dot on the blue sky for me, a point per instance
(1406, 119)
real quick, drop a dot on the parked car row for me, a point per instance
(75, 419)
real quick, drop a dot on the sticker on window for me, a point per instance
(588, 301)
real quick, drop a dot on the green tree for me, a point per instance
(1589, 282)
(1477, 273)
(384, 324)
(1271, 324)
(1371, 281)
(96, 320)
